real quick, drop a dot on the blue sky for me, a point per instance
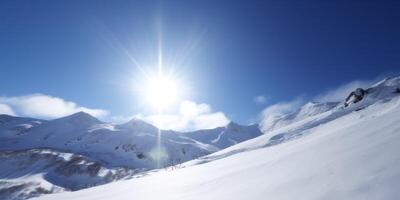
(227, 53)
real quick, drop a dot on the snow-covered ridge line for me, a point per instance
(129, 144)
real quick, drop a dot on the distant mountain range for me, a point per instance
(79, 151)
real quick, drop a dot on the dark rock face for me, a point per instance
(94, 169)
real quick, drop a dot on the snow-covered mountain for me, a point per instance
(124, 145)
(39, 149)
(344, 152)
(28, 173)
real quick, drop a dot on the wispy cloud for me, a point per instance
(271, 113)
(191, 116)
(44, 106)
(260, 99)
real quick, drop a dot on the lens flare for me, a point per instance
(159, 155)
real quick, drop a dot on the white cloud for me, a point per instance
(5, 109)
(341, 92)
(210, 120)
(261, 99)
(45, 106)
(191, 116)
(270, 114)
(191, 109)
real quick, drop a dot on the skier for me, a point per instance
(355, 96)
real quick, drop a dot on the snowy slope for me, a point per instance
(10, 125)
(343, 153)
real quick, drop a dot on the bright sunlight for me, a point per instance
(161, 91)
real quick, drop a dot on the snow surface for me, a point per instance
(342, 153)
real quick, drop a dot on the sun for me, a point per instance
(161, 91)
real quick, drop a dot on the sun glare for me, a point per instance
(161, 91)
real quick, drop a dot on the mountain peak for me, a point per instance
(5, 116)
(136, 120)
(138, 124)
(80, 117)
(82, 114)
(233, 126)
